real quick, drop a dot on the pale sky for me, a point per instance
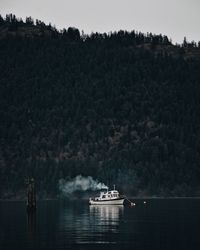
(174, 18)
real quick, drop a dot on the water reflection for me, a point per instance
(106, 214)
(31, 222)
(90, 224)
(105, 221)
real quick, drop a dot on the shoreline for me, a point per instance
(85, 199)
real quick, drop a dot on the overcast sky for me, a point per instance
(175, 18)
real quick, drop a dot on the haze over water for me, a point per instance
(160, 224)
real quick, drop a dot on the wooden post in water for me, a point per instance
(31, 195)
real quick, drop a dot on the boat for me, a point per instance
(111, 197)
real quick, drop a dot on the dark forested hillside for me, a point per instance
(122, 107)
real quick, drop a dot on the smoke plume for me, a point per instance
(80, 183)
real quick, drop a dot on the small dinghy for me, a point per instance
(111, 197)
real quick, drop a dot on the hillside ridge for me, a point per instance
(122, 107)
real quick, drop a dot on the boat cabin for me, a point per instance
(108, 195)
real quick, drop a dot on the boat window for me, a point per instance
(103, 196)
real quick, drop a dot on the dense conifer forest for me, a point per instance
(122, 107)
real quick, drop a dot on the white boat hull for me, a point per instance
(107, 202)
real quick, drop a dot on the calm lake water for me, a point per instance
(160, 224)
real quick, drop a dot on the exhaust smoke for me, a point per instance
(80, 183)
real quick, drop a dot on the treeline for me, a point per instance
(123, 37)
(122, 107)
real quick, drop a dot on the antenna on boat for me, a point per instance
(114, 187)
(107, 186)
